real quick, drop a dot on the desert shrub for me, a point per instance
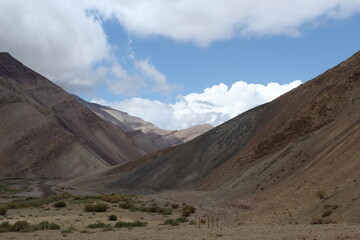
(192, 222)
(111, 198)
(98, 224)
(24, 226)
(19, 225)
(45, 225)
(187, 210)
(96, 207)
(126, 205)
(121, 224)
(182, 219)
(172, 222)
(5, 227)
(3, 211)
(60, 204)
(112, 217)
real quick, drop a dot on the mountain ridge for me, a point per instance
(46, 132)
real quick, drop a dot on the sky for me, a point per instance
(180, 63)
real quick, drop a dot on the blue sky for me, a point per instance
(180, 63)
(255, 59)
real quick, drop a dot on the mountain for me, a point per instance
(156, 137)
(292, 159)
(46, 132)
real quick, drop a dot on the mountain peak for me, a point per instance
(13, 69)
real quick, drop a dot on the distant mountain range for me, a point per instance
(139, 130)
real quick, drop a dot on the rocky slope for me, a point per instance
(46, 132)
(145, 133)
(295, 159)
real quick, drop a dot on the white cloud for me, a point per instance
(65, 40)
(55, 38)
(143, 76)
(205, 21)
(214, 105)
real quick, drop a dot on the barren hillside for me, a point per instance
(46, 132)
(299, 152)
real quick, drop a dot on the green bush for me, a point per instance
(126, 205)
(175, 222)
(20, 226)
(182, 219)
(24, 226)
(172, 222)
(98, 224)
(121, 224)
(96, 207)
(3, 211)
(60, 204)
(45, 225)
(112, 217)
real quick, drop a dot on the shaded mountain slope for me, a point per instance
(313, 118)
(145, 133)
(46, 132)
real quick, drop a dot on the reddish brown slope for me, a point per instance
(248, 142)
(45, 131)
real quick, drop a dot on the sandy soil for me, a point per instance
(301, 232)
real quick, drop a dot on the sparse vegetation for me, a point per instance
(188, 210)
(153, 208)
(3, 211)
(121, 224)
(100, 207)
(172, 222)
(112, 217)
(37, 202)
(175, 222)
(98, 224)
(24, 226)
(60, 204)
(45, 225)
(6, 189)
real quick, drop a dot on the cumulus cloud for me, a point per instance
(205, 21)
(56, 38)
(65, 40)
(143, 76)
(214, 105)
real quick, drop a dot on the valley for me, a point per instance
(287, 169)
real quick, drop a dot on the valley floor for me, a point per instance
(33, 201)
(286, 232)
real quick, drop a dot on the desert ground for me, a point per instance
(32, 200)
